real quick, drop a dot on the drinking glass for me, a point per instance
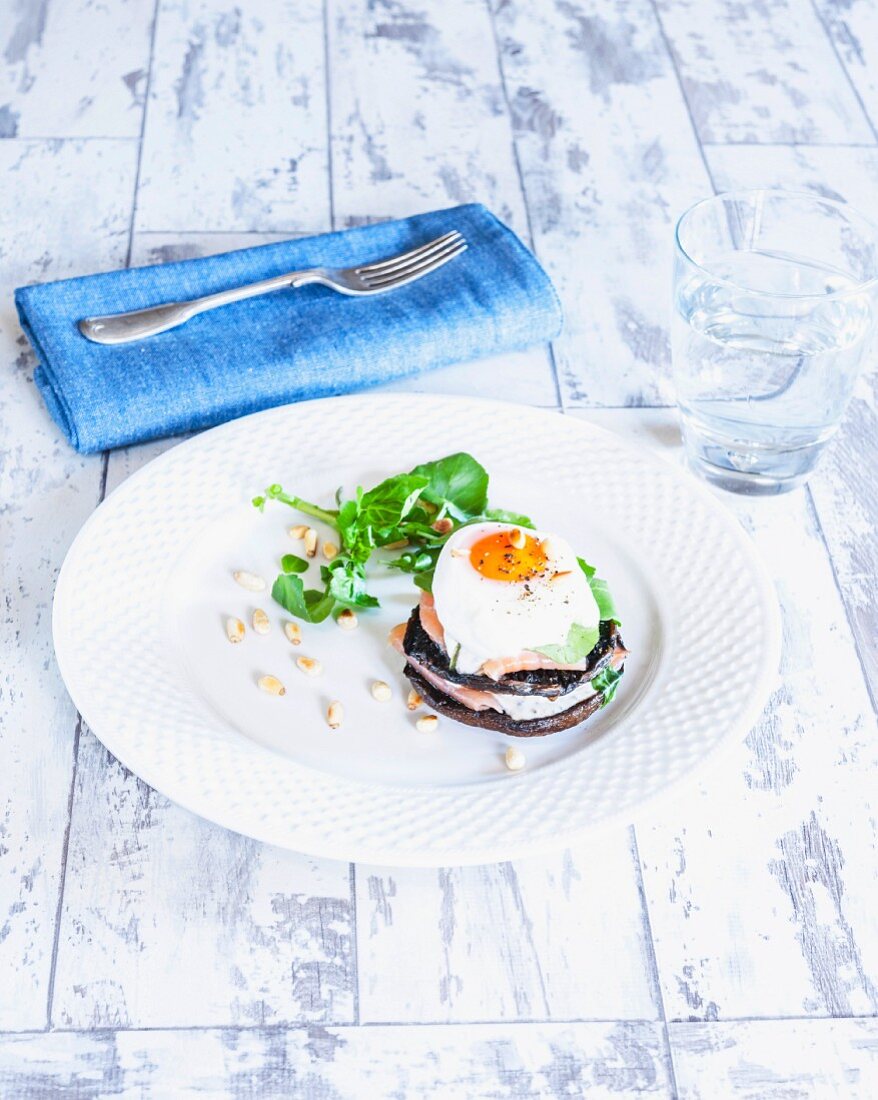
(774, 311)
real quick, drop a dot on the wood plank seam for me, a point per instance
(531, 241)
(672, 57)
(812, 507)
(654, 979)
(65, 848)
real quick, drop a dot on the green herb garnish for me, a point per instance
(406, 509)
(581, 640)
(607, 681)
(600, 591)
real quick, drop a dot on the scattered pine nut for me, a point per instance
(330, 550)
(381, 691)
(427, 724)
(310, 542)
(335, 714)
(400, 544)
(234, 630)
(414, 700)
(347, 619)
(517, 538)
(294, 632)
(251, 581)
(271, 685)
(457, 552)
(443, 526)
(261, 622)
(299, 531)
(515, 759)
(309, 665)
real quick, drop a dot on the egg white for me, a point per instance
(489, 619)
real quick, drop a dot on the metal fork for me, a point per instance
(372, 278)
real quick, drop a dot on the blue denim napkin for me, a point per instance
(285, 346)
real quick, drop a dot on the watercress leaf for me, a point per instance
(458, 482)
(589, 570)
(581, 640)
(604, 600)
(292, 563)
(501, 515)
(606, 682)
(424, 581)
(258, 502)
(311, 605)
(347, 584)
(387, 505)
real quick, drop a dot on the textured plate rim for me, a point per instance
(437, 854)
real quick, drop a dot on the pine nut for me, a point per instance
(515, 759)
(251, 581)
(271, 685)
(517, 538)
(427, 724)
(299, 531)
(443, 526)
(414, 700)
(261, 623)
(234, 630)
(309, 665)
(310, 542)
(381, 691)
(294, 632)
(457, 552)
(335, 715)
(330, 550)
(400, 544)
(347, 619)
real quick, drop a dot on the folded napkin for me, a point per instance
(285, 346)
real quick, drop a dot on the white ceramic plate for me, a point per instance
(142, 598)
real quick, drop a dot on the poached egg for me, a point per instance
(500, 590)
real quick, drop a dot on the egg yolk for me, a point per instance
(497, 558)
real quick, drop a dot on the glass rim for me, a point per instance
(849, 211)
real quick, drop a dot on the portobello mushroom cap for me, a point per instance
(503, 723)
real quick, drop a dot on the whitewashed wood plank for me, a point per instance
(169, 921)
(418, 114)
(560, 936)
(65, 210)
(777, 1060)
(761, 72)
(609, 160)
(601, 1061)
(236, 133)
(760, 878)
(853, 25)
(525, 376)
(73, 68)
(419, 121)
(843, 488)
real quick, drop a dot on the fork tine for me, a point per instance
(405, 257)
(416, 271)
(389, 277)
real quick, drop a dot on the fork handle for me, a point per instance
(124, 328)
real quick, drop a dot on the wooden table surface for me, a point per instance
(727, 946)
